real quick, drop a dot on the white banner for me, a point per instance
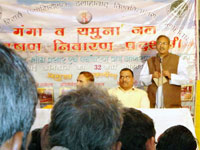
(59, 39)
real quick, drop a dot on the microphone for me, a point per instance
(161, 103)
(160, 58)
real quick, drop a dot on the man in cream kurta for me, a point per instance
(129, 96)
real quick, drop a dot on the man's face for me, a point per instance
(126, 80)
(163, 45)
(82, 81)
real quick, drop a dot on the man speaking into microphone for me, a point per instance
(164, 74)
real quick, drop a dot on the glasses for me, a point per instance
(164, 43)
(125, 77)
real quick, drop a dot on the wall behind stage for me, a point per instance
(58, 39)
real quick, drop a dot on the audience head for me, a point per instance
(138, 132)
(126, 79)
(84, 79)
(86, 119)
(18, 98)
(177, 138)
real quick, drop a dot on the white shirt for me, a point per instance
(177, 79)
(135, 98)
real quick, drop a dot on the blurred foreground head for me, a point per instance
(177, 138)
(18, 98)
(138, 132)
(86, 119)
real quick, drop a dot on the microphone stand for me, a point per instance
(161, 73)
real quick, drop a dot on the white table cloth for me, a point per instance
(163, 118)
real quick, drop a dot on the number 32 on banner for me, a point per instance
(97, 67)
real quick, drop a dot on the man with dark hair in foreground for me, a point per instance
(18, 98)
(86, 119)
(177, 138)
(138, 132)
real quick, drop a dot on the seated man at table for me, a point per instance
(129, 96)
(84, 79)
(18, 99)
(86, 119)
(138, 132)
(177, 138)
